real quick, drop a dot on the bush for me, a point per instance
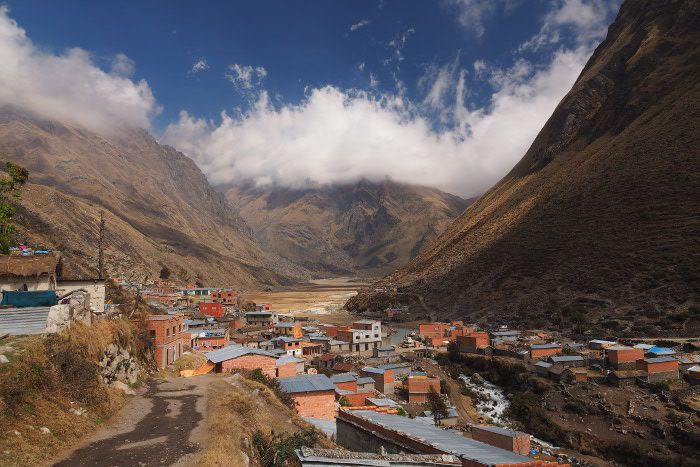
(272, 383)
(278, 449)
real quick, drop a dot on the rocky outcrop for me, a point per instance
(118, 365)
(62, 316)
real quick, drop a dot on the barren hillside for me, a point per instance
(597, 225)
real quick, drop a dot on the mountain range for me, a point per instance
(597, 225)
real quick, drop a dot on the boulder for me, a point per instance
(118, 365)
(123, 387)
(3, 359)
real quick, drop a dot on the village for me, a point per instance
(372, 385)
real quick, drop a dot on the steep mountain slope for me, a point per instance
(159, 208)
(370, 228)
(598, 224)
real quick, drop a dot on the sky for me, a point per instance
(445, 93)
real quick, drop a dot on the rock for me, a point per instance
(17, 433)
(478, 379)
(123, 387)
(3, 359)
(118, 365)
(45, 431)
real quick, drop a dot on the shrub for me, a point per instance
(272, 383)
(278, 449)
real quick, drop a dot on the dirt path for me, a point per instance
(162, 425)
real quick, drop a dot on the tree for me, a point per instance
(344, 401)
(101, 247)
(437, 406)
(10, 184)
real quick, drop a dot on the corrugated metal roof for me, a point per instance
(543, 364)
(567, 358)
(306, 383)
(382, 402)
(343, 377)
(659, 359)
(366, 321)
(371, 369)
(365, 380)
(234, 351)
(288, 359)
(501, 431)
(447, 441)
(545, 346)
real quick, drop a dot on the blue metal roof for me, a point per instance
(370, 369)
(659, 359)
(306, 383)
(234, 351)
(545, 346)
(288, 359)
(344, 377)
(365, 380)
(567, 358)
(447, 441)
(382, 402)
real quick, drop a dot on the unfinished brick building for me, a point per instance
(166, 334)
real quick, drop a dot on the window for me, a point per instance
(152, 333)
(376, 335)
(167, 332)
(366, 346)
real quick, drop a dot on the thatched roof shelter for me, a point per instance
(30, 266)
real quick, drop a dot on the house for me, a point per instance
(659, 369)
(599, 344)
(383, 378)
(372, 431)
(623, 378)
(544, 350)
(441, 334)
(290, 345)
(364, 335)
(311, 348)
(622, 357)
(365, 383)
(568, 361)
(660, 352)
(476, 342)
(450, 420)
(394, 312)
(286, 328)
(331, 330)
(289, 366)
(511, 335)
(343, 367)
(555, 372)
(692, 375)
(165, 332)
(209, 339)
(419, 385)
(687, 361)
(380, 352)
(215, 309)
(225, 297)
(400, 369)
(382, 402)
(234, 357)
(542, 368)
(504, 438)
(95, 287)
(314, 395)
(30, 273)
(324, 361)
(261, 318)
(346, 381)
(575, 375)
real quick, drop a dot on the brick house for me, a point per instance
(659, 368)
(474, 342)
(290, 345)
(236, 357)
(383, 378)
(544, 350)
(211, 309)
(314, 395)
(345, 381)
(165, 332)
(290, 329)
(440, 334)
(419, 385)
(210, 339)
(225, 297)
(289, 366)
(504, 438)
(620, 357)
(575, 375)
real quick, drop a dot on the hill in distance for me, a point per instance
(597, 226)
(159, 208)
(366, 228)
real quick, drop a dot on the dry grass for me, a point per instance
(45, 379)
(241, 408)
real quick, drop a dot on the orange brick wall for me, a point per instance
(358, 399)
(626, 355)
(658, 367)
(210, 342)
(420, 385)
(319, 404)
(251, 362)
(473, 342)
(519, 444)
(288, 369)
(538, 353)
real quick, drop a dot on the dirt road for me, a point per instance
(162, 425)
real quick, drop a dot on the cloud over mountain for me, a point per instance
(69, 85)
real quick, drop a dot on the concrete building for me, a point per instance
(383, 378)
(364, 336)
(288, 328)
(234, 357)
(419, 385)
(504, 438)
(165, 332)
(261, 318)
(380, 352)
(95, 287)
(621, 357)
(371, 431)
(313, 394)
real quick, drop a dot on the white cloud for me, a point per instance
(337, 136)
(123, 65)
(199, 65)
(472, 14)
(69, 86)
(361, 66)
(360, 24)
(245, 78)
(585, 20)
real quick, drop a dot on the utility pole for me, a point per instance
(100, 247)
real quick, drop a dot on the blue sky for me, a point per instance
(429, 76)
